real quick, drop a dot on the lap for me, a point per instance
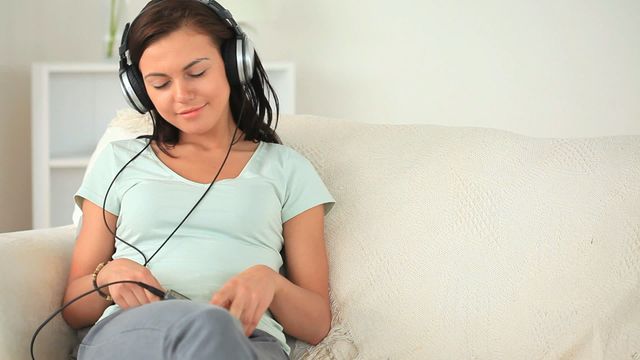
(156, 330)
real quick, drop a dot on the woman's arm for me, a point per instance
(301, 302)
(95, 244)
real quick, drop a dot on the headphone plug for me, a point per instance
(164, 295)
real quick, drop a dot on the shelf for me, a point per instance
(69, 162)
(79, 68)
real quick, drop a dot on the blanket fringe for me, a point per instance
(337, 345)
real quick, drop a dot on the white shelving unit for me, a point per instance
(71, 106)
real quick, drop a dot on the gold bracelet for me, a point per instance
(107, 297)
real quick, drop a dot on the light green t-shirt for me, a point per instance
(237, 225)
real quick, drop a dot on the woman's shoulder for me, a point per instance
(282, 150)
(288, 159)
(116, 151)
(127, 145)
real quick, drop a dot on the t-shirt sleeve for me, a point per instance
(304, 188)
(97, 180)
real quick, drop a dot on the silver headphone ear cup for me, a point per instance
(229, 58)
(238, 55)
(245, 56)
(129, 94)
(138, 87)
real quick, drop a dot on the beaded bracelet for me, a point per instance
(95, 281)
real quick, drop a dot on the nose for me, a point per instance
(183, 91)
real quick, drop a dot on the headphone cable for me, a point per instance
(153, 290)
(104, 202)
(224, 161)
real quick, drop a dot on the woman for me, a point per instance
(203, 206)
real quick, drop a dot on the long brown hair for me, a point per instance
(250, 106)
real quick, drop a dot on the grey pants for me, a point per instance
(176, 329)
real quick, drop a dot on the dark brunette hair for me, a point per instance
(250, 106)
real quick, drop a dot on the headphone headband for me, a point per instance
(224, 15)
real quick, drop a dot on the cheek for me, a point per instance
(222, 94)
(163, 107)
(218, 86)
(161, 101)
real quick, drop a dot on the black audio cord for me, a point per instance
(169, 294)
(155, 291)
(104, 203)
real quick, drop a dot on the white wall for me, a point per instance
(543, 68)
(30, 30)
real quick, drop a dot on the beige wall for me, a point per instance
(542, 68)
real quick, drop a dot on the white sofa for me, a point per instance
(445, 243)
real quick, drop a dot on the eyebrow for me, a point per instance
(196, 61)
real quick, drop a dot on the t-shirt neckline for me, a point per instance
(184, 179)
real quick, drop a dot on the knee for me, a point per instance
(198, 316)
(207, 330)
(214, 320)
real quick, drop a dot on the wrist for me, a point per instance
(103, 292)
(278, 282)
(274, 277)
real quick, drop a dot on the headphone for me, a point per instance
(237, 53)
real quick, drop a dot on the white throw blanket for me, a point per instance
(470, 243)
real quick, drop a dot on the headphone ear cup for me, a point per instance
(133, 89)
(137, 84)
(230, 59)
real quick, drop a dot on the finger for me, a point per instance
(120, 299)
(238, 305)
(150, 297)
(140, 295)
(257, 315)
(129, 297)
(134, 294)
(221, 299)
(151, 281)
(249, 316)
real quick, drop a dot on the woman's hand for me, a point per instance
(248, 295)
(128, 295)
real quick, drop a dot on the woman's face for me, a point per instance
(184, 76)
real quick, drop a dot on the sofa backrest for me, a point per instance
(450, 242)
(461, 243)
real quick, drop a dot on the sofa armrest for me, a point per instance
(34, 265)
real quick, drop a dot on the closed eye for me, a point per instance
(160, 86)
(167, 83)
(198, 74)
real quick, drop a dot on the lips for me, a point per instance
(191, 110)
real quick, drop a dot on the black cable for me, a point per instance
(104, 202)
(197, 202)
(153, 290)
(233, 142)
